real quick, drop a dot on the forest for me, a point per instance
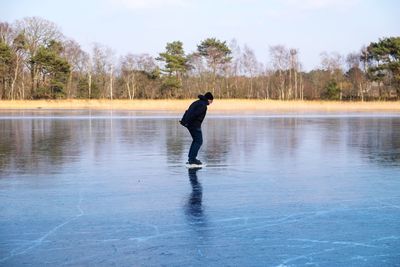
(38, 62)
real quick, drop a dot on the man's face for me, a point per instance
(209, 101)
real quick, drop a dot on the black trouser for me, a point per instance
(197, 136)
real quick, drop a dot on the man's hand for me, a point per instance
(183, 124)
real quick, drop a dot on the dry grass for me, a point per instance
(225, 105)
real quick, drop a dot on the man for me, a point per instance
(192, 120)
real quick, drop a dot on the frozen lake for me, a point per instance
(81, 188)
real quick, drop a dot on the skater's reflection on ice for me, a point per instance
(194, 209)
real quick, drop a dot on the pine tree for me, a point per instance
(176, 65)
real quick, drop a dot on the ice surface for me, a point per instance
(102, 189)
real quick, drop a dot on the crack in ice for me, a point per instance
(39, 241)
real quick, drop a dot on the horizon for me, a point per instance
(118, 24)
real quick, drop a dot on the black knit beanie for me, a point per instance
(209, 96)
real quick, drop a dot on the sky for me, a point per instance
(146, 26)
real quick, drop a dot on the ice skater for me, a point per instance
(192, 120)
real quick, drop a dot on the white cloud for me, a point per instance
(147, 4)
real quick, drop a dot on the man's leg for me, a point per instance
(197, 136)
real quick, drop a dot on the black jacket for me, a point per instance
(195, 114)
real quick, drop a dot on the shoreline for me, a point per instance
(223, 105)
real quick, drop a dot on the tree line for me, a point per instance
(38, 62)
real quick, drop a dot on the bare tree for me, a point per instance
(7, 33)
(110, 66)
(268, 73)
(294, 68)
(87, 68)
(301, 84)
(355, 74)
(103, 69)
(234, 66)
(111, 85)
(333, 62)
(280, 62)
(76, 57)
(364, 67)
(250, 67)
(128, 74)
(145, 62)
(130, 66)
(37, 32)
(16, 43)
(98, 69)
(19, 46)
(196, 73)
